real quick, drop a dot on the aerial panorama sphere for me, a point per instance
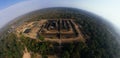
(58, 32)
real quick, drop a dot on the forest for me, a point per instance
(100, 42)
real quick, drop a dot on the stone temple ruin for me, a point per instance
(55, 30)
(60, 29)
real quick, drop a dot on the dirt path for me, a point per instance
(26, 54)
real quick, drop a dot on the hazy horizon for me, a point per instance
(108, 9)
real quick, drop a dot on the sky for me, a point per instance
(108, 9)
(7, 3)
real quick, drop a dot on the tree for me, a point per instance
(41, 38)
(66, 54)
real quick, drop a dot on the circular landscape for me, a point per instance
(58, 32)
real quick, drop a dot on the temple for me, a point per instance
(61, 28)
